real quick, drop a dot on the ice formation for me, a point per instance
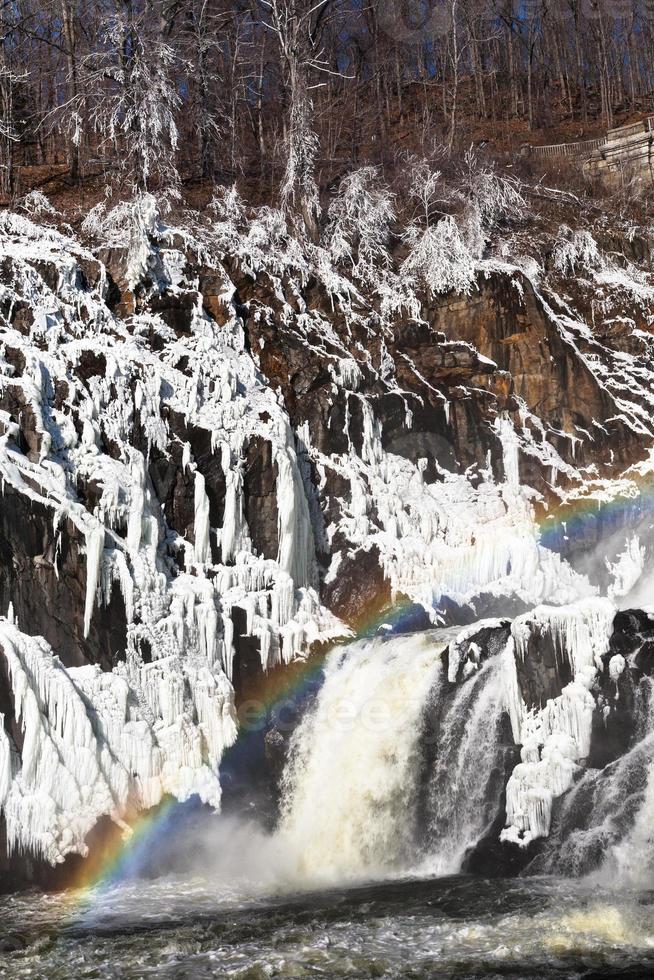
(94, 743)
(556, 737)
(450, 538)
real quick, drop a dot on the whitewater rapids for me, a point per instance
(412, 930)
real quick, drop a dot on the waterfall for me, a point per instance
(352, 782)
(393, 763)
(631, 859)
(466, 779)
(604, 824)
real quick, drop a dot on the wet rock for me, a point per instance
(476, 648)
(260, 493)
(43, 576)
(545, 669)
(91, 364)
(11, 942)
(622, 702)
(14, 402)
(215, 290)
(359, 593)
(119, 298)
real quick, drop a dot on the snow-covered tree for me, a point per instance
(360, 217)
(576, 251)
(489, 198)
(423, 187)
(496, 197)
(297, 27)
(439, 259)
(132, 86)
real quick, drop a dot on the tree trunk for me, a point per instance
(68, 32)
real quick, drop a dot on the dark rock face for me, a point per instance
(175, 488)
(175, 309)
(476, 648)
(259, 484)
(43, 577)
(620, 719)
(21, 871)
(490, 856)
(252, 770)
(545, 669)
(359, 593)
(506, 321)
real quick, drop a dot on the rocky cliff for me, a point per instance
(223, 447)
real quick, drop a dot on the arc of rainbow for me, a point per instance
(126, 853)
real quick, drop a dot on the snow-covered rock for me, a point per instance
(216, 437)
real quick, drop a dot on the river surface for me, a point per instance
(445, 927)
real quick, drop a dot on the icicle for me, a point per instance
(201, 524)
(94, 549)
(5, 763)
(137, 498)
(233, 518)
(228, 644)
(510, 446)
(371, 451)
(296, 554)
(126, 582)
(265, 639)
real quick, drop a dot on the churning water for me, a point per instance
(393, 775)
(444, 927)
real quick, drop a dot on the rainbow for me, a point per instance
(122, 857)
(597, 515)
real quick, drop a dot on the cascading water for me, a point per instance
(603, 826)
(388, 738)
(393, 774)
(466, 779)
(352, 781)
(631, 859)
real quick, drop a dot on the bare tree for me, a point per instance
(298, 27)
(10, 78)
(69, 38)
(289, 95)
(134, 97)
